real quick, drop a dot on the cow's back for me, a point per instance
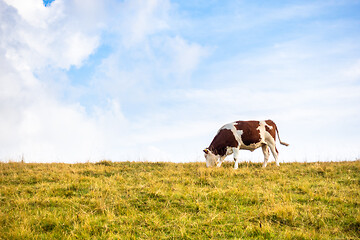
(248, 131)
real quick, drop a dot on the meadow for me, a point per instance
(143, 200)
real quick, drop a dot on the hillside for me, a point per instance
(137, 200)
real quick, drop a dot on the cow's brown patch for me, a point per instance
(225, 138)
(271, 130)
(250, 132)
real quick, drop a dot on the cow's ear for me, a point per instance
(206, 150)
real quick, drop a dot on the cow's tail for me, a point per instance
(283, 143)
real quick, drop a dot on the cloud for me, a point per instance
(42, 36)
(136, 20)
(34, 122)
(33, 12)
(179, 57)
(37, 125)
(50, 128)
(148, 68)
(79, 48)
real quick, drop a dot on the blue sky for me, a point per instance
(154, 80)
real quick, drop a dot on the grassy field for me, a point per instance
(137, 200)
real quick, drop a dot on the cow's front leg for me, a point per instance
(220, 161)
(236, 158)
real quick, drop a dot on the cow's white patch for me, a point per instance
(239, 132)
(229, 126)
(262, 131)
(267, 125)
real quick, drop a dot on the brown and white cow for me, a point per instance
(248, 135)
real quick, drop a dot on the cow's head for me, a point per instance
(211, 158)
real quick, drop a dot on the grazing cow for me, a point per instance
(248, 135)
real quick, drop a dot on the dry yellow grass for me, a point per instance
(137, 200)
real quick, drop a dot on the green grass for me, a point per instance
(137, 200)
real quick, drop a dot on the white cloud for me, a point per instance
(138, 19)
(64, 131)
(39, 36)
(80, 47)
(180, 58)
(34, 13)
(135, 70)
(34, 122)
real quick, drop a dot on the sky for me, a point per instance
(154, 80)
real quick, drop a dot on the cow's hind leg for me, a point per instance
(266, 152)
(275, 153)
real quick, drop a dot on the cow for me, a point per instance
(248, 135)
